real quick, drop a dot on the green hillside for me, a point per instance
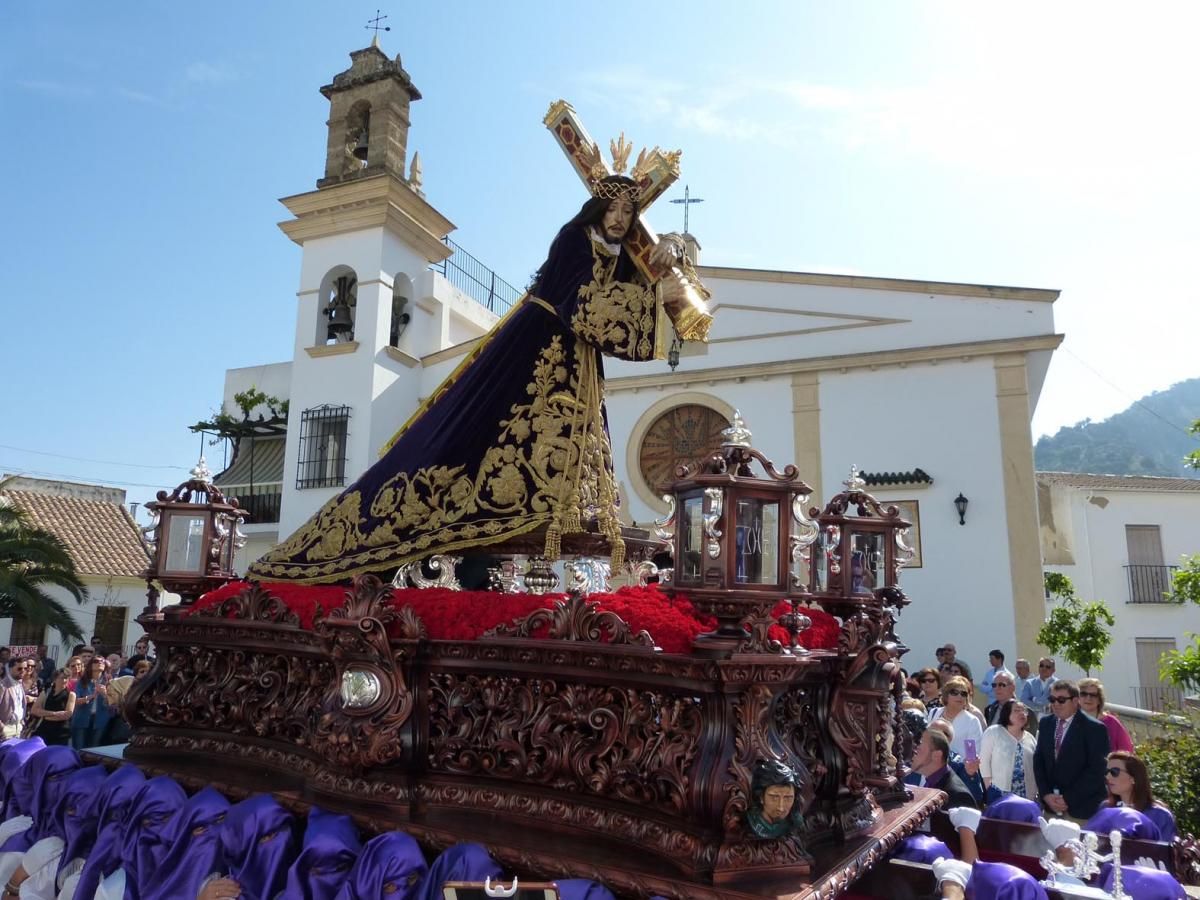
(1133, 442)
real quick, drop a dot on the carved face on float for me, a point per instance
(777, 802)
(617, 219)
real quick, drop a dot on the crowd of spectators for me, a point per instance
(79, 703)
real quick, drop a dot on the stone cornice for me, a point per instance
(374, 202)
(432, 359)
(405, 359)
(876, 359)
(949, 288)
(331, 349)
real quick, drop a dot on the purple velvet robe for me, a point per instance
(330, 847)
(193, 851)
(105, 854)
(47, 772)
(462, 862)
(390, 865)
(258, 846)
(1000, 881)
(143, 844)
(514, 440)
(82, 822)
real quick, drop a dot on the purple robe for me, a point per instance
(330, 847)
(105, 855)
(462, 862)
(1011, 808)
(582, 889)
(12, 763)
(118, 837)
(143, 847)
(193, 848)
(47, 771)
(514, 440)
(922, 848)
(82, 822)
(1125, 819)
(1143, 883)
(1164, 819)
(258, 846)
(390, 865)
(1000, 881)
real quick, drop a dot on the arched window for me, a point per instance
(402, 293)
(338, 309)
(358, 137)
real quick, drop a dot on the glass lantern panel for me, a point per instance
(185, 543)
(691, 554)
(757, 542)
(866, 561)
(826, 565)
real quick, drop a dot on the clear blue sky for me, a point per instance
(146, 144)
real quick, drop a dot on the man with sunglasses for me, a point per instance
(1004, 687)
(1071, 755)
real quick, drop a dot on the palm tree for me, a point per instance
(31, 560)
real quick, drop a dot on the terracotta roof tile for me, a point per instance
(101, 537)
(1119, 482)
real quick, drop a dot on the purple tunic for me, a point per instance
(582, 889)
(109, 804)
(1143, 883)
(48, 770)
(331, 846)
(1125, 819)
(157, 803)
(258, 846)
(193, 848)
(1000, 881)
(390, 865)
(462, 862)
(1011, 808)
(105, 855)
(922, 848)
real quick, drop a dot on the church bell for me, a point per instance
(340, 323)
(360, 149)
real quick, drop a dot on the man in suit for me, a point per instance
(931, 768)
(1005, 687)
(1071, 755)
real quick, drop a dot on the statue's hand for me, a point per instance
(668, 251)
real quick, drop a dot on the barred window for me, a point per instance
(323, 432)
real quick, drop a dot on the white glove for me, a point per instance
(1058, 831)
(965, 817)
(952, 870)
(1147, 863)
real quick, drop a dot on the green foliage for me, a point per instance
(1182, 667)
(225, 425)
(1079, 631)
(31, 560)
(1173, 761)
(1133, 442)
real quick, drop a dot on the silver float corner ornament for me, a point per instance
(855, 483)
(716, 506)
(737, 434)
(802, 539)
(360, 688)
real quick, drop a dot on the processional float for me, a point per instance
(566, 742)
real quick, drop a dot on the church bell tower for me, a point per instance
(369, 308)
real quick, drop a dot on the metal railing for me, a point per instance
(1157, 697)
(262, 505)
(476, 280)
(1150, 584)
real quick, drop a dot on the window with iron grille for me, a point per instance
(110, 627)
(25, 634)
(323, 431)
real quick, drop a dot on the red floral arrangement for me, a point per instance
(466, 615)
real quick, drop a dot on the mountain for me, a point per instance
(1132, 442)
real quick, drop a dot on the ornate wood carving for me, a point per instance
(356, 640)
(575, 619)
(632, 745)
(254, 604)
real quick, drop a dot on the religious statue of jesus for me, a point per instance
(516, 438)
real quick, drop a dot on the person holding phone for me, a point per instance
(955, 695)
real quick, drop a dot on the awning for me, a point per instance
(257, 461)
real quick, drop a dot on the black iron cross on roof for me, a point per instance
(373, 24)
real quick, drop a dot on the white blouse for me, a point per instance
(999, 755)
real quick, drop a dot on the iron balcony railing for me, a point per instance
(262, 504)
(476, 280)
(1150, 584)
(1157, 697)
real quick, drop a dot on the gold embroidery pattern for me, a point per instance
(617, 316)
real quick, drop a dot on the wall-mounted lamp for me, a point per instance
(960, 503)
(673, 353)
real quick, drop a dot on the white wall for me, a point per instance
(1097, 533)
(941, 419)
(122, 592)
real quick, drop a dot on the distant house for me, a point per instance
(108, 550)
(1119, 538)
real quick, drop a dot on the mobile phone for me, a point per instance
(970, 752)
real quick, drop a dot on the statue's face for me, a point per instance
(617, 219)
(777, 802)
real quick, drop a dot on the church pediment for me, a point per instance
(742, 322)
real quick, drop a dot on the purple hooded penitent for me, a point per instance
(81, 817)
(142, 846)
(117, 803)
(11, 764)
(462, 862)
(390, 865)
(117, 843)
(258, 846)
(1000, 881)
(48, 770)
(1125, 819)
(1011, 808)
(330, 847)
(193, 849)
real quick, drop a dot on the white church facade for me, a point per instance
(927, 387)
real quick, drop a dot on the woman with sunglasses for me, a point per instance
(1006, 759)
(931, 688)
(1091, 701)
(968, 732)
(1129, 785)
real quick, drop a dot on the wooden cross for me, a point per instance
(661, 172)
